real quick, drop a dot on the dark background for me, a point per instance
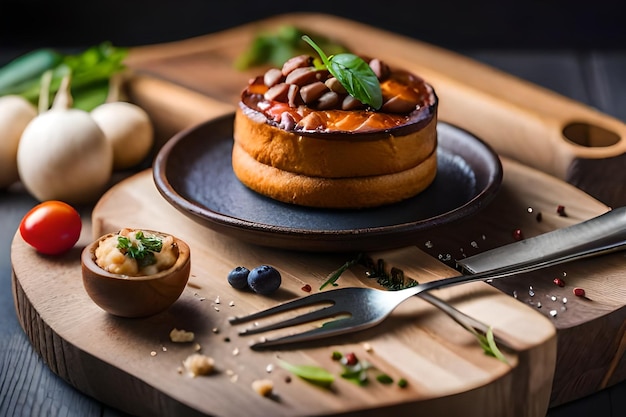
(454, 24)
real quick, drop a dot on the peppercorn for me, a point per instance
(351, 359)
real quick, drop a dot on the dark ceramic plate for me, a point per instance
(193, 173)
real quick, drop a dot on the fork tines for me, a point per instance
(328, 309)
(308, 301)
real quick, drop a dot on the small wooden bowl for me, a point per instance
(135, 296)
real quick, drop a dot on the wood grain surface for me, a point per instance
(522, 121)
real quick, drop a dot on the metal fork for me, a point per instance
(367, 307)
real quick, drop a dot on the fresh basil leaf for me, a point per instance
(357, 78)
(354, 74)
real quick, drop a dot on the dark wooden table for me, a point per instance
(28, 387)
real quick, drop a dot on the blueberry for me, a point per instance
(264, 279)
(238, 277)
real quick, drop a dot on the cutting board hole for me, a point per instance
(590, 136)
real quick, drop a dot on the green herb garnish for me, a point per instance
(488, 343)
(334, 276)
(353, 73)
(357, 375)
(142, 249)
(310, 373)
(384, 379)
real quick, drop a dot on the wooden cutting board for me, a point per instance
(132, 365)
(522, 121)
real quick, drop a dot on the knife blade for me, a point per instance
(601, 234)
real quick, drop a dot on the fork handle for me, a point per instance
(600, 235)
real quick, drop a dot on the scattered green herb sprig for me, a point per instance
(488, 343)
(354, 74)
(357, 373)
(395, 280)
(336, 274)
(142, 249)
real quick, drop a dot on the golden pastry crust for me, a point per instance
(332, 157)
(344, 193)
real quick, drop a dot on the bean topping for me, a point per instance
(278, 92)
(296, 62)
(272, 77)
(313, 91)
(380, 68)
(305, 75)
(299, 83)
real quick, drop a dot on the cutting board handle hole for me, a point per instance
(589, 135)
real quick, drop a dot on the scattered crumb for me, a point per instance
(367, 347)
(263, 387)
(197, 347)
(232, 375)
(153, 353)
(197, 364)
(181, 336)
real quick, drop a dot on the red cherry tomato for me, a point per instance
(51, 227)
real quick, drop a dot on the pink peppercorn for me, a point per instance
(351, 359)
(517, 234)
(559, 282)
(579, 292)
(561, 211)
(306, 288)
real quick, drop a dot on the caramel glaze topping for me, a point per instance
(304, 99)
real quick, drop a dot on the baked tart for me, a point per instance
(349, 132)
